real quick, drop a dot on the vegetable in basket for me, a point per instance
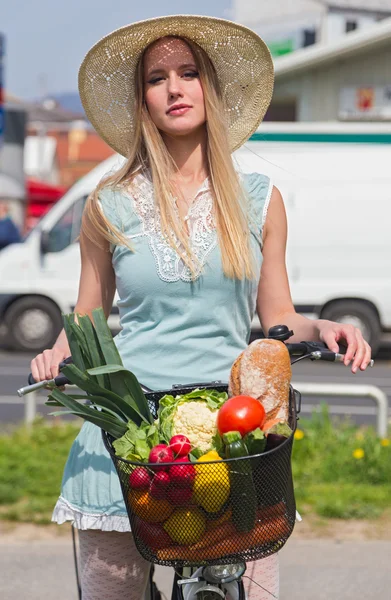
(277, 434)
(243, 493)
(116, 401)
(240, 413)
(255, 441)
(211, 484)
(193, 415)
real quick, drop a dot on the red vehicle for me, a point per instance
(40, 198)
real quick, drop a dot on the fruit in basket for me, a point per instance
(160, 455)
(240, 413)
(179, 495)
(148, 508)
(186, 525)
(192, 415)
(182, 474)
(211, 484)
(180, 445)
(140, 479)
(159, 485)
(152, 534)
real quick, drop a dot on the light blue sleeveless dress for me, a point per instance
(174, 330)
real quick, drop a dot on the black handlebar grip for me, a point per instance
(60, 380)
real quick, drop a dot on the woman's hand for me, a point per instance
(358, 350)
(45, 365)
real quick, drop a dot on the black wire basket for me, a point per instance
(221, 512)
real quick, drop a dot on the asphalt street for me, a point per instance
(310, 570)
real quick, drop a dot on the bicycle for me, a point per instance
(201, 575)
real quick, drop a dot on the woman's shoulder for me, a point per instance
(258, 188)
(115, 203)
(257, 185)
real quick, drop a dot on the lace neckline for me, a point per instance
(201, 227)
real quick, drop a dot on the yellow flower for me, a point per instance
(358, 453)
(385, 442)
(299, 434)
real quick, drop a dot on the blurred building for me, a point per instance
(287, 25)
(61, 145)
(348, 79)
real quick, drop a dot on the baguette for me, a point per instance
(263, 371)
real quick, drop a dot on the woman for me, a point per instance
(192, 246)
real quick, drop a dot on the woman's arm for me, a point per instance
(274, 301)
(96, 288)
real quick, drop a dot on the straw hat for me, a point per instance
(242, 61)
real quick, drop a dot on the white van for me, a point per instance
(336, 183)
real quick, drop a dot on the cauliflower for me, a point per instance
(196, 421)
(193, 415)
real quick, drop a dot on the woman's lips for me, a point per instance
(179, 111)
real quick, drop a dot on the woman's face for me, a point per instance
(172, 88)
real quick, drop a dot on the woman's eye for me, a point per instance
(190, 74)
(155, 80)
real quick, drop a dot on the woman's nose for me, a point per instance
(174, 86)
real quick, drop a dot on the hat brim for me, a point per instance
(241, 59)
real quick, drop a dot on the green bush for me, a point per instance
(341, 470)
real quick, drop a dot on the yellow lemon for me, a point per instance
(186, 526)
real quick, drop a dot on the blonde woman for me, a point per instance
(192, 246)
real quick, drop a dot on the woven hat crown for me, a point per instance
(241, 59)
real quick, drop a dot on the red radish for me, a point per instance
(140, 479)
(180, 445)
(182, 459)
(159, 485)
(182, 474)
(159, 455)
(179, 495)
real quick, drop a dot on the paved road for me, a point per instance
(310, 570)
(15, 367)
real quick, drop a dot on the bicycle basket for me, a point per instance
(232, 510)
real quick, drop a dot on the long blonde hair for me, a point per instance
(148, 150)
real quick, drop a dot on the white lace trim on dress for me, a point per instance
(64, 511)
(202, 231)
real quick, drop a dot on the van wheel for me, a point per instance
(33, 324)
(360, 315)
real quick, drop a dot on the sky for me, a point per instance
(46, 40)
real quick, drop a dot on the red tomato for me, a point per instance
(240, 413)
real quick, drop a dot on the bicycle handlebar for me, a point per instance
(300, 350)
